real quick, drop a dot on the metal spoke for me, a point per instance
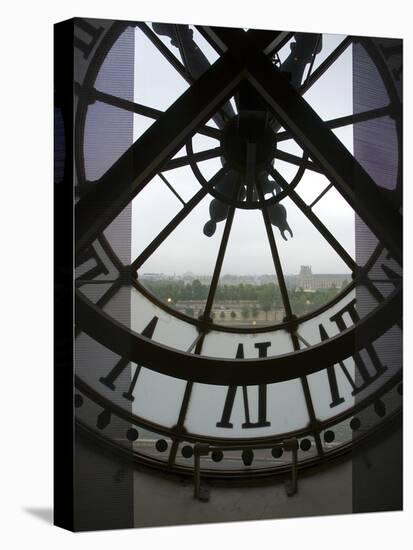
(310, 407)
(183, 69)
(201, 337)
(347, 174)
(275, 256)
(290, 318)
(138, 165)
(346, 120)
(173, 224)
(197, 157)
(321, 195)
(360, 117)
(219, 262)
(169, 186)
(166, 52)
(181, 49)
(310, 68)
(179, 428)
(309, 399)
(222, 39)
(345, 256)
(326, 64)
(180, 423)
(296, 160)
(143, 110)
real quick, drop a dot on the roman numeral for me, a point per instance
(93, 34)
(362, 378)
(225, 421)
(110, 380)
(98, 269)
(393, 277)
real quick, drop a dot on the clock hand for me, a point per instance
(277, 213)
(252, 108)
(278, 217)
(218, 210)
(303, 51)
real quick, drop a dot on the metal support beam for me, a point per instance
(223, 39)
(292, 486)
(348, 176)
(139, 164)
(202, 493)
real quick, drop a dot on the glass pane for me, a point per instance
(204, 45)
(311, 185)
(336, 214)
(206, 414)
(157, 199)
(158, 398)
(180, 270)
(315, 273)
(329, 42)
(248, 293)
(157, 83)
(323, 96)
(169, 330)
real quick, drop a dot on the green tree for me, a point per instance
(245, 312)
(233, 315)
(189, 311)
(266, 299)
(196, 289)
(222, 315)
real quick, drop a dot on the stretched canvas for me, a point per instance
(228, 274)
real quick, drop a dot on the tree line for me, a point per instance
(266, 296)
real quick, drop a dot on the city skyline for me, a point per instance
(237, 275)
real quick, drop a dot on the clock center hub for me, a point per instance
(248, 142)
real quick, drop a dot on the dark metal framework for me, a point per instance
(244, 58)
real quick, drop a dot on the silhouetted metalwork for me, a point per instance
(267, 95)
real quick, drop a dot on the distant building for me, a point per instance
(306, 279)
(309, 281)
(154, 276)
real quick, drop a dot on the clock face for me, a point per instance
(238, 253)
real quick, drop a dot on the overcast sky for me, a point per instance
(158, 85)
